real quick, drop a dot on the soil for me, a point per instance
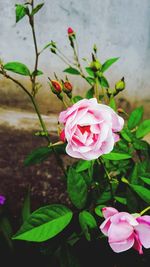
(46, 179)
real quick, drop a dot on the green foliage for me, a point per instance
(77, 188)
(87, 222)
(98, 210)
(143, 129)
(37, 155)
(72, 71)
(83, 165)
(142, 192)
(135, 117)
(44, 223)
(108, 63)
(103, 82)
(36, 9)
(17, 67)
(116, 156)
(21, 11)
(26, 209)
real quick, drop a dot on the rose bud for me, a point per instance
(70, 31)
(56, 87)
(67, 88)
(120, 85)
(95, 64)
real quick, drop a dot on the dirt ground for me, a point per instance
(45, 179)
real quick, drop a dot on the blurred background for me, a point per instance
(119, 28)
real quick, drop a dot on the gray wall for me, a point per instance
(118, 27)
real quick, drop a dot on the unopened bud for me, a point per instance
(120, 85)
(95, 65)
(95, 48)
(56, 87)
(53, 50)
(62, 136)
(67, 87)
(120, 110)
(70, 31)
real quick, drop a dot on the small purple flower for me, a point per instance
(2, 200)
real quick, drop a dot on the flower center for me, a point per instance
(84, 129)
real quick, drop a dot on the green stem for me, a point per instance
(96, 89)
(39, 116)
(100, 161)
(145, 210)
(33, 77)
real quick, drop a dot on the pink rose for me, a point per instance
(90, 129)
(125, 231)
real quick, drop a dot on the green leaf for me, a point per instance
(107, 194)
(77, 188)
(6, 229)
(126, 134)
(37, 73)
(143, 129)
(72, 71)
(145, 180)
(87, 222)
(83, 165)
(108, 63)
(44, 223)
(98, 210)
(142, 192)
(132, 201)
(37, 155)
(90, 71)
(26, 207)
(116, 156)
(103, 82)
(17, 67)
(90, 93)
(140, 144)
(76, 98)
(135, 117)
(90, 80)
(112, 103)
(121, 200)
(36, 9)
(21, 11)
(133, 178)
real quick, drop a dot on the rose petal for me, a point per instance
(143, 230)
(119, 232)
(109, 211)
(123, 245)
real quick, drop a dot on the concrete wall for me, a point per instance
(118, 27)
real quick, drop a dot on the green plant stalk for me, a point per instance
(76, 56)
(100, 161)
(33, 78)
(96, 89)
(145, 210)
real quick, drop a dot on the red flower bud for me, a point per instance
(70, 31)
(56, 87)
(62, 136)
(67, 87)
(120, 110)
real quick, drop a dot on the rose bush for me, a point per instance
(110, 173)
(125, 230)
(90, 129)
